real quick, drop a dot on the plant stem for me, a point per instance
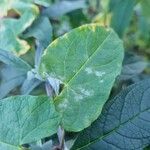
(38, 53)
(61, 137)
(49, 90)
(61, 133)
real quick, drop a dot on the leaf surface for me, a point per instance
(123, 124)
(25, 119)
(84, 61)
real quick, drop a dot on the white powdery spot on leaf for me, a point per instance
(119, 65)
(2, 28)
(78, 97)
(86, 92)
(82, 93)
(64, 104)
(88, 70)
(99, 73)
(101, 81)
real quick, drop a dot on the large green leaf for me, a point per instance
(11, 28)
(25, 119)
(84, 61)
(123, 124)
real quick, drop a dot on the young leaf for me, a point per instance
(25, 119)
(123, 124)
(84, 61)
(14, 61)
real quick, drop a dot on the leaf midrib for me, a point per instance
(75, 74)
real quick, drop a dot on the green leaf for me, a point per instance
(14, 61)
(13, 73)
(4, 7)
(77, 18)
(84, 61)
(122, 11)
(11, 28)
(29, 85)
(145, 7)
(144, 20)
(147, 148)
(123, 124)
(63, 7)
(132, 65)
(10, 79)
(25, 119)
(46, 146)
(41, 29)
(45, 3)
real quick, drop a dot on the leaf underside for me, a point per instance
(123, 124)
